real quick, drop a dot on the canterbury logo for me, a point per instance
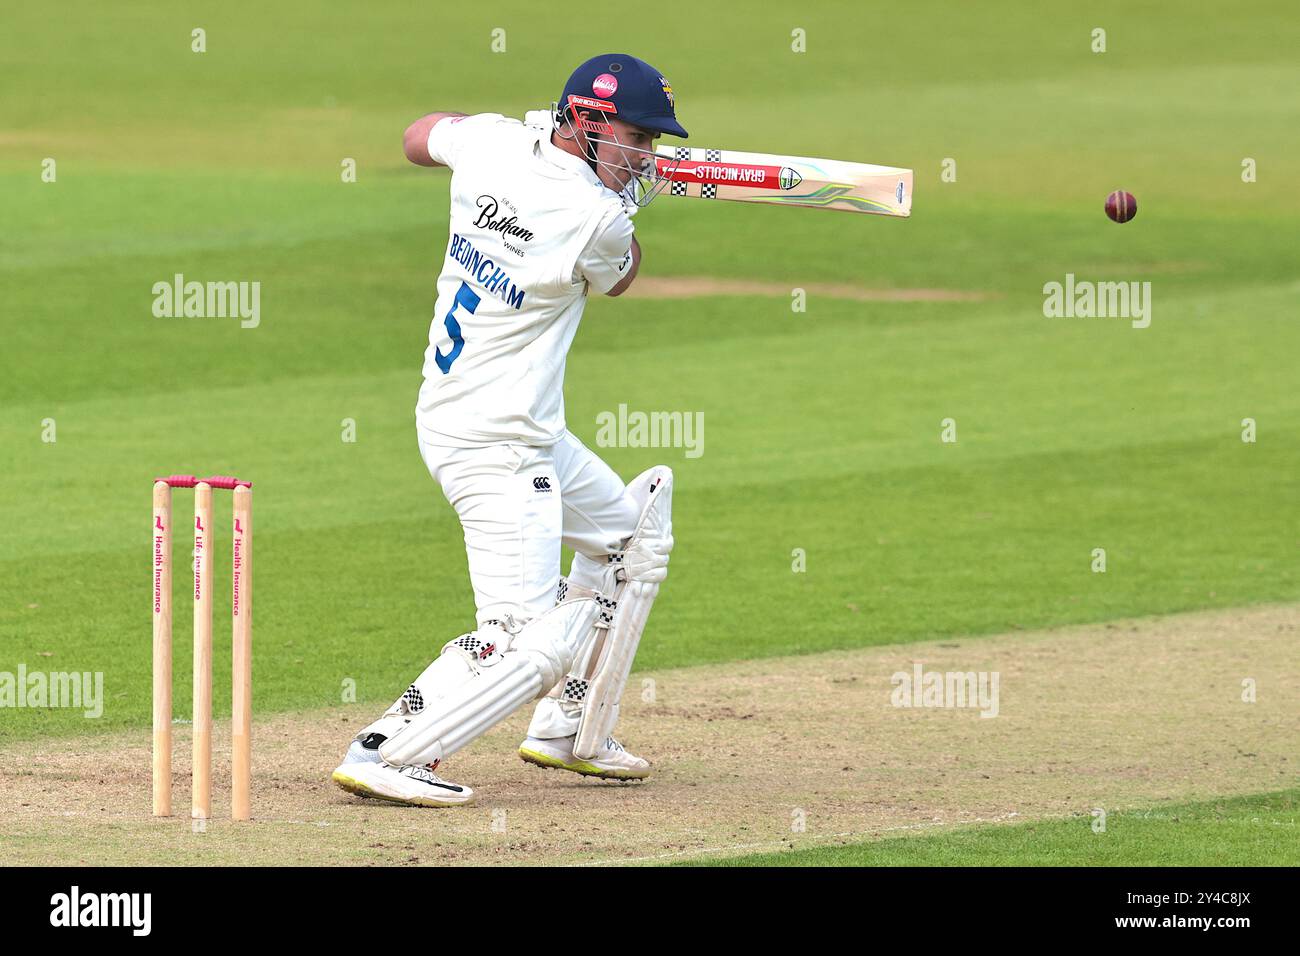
(542, 484)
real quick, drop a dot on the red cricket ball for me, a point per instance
(1121, 206)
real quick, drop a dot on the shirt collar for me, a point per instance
(564, 160)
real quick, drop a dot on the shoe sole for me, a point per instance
(547, 762)
(361, 789)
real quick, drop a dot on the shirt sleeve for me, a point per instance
(607, 258)
(452, 136)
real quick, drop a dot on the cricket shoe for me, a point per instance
(364, 773)
(611, 762)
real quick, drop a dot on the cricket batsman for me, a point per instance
(541, 217)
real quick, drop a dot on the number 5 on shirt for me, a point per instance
(469, 300)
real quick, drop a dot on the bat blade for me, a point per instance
(785, 180)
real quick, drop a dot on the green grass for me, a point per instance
(1257, 830)
(821, 428)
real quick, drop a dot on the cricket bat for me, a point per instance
(785, 180)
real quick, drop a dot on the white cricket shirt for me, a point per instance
(531, 229)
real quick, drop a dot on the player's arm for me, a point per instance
(626, 281)
(612, 256)
(415, 143)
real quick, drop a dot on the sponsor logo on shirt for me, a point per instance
(506, 225)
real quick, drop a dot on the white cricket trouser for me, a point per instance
(517, 504)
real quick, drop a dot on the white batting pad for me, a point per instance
(468, 693)
(644, 566)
